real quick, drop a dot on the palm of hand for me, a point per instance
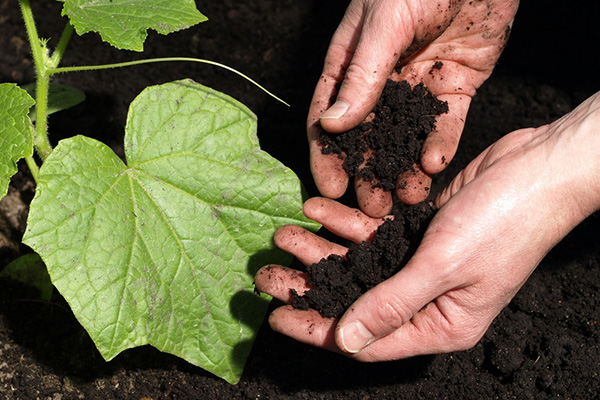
(451, 49)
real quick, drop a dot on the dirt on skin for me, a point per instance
(392, 140)
(544, 345)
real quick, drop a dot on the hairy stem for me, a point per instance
(40, 138)
(52, 71)
(38, 50)
(61, 47)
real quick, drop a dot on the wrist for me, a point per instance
(577, 167)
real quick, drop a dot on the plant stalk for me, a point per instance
(40, 137)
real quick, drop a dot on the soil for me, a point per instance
(545, 344)
(393, 137)
(336, 281)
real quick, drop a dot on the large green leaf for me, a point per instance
(163, 250)
(16, 134)
(125, 23)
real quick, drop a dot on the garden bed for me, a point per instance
(545, 344)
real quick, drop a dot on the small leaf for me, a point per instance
(125, 23)
(16, 134)
(163, 250)
(60, 97)
(30, 270)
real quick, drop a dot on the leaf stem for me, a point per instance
(33, 167)
(38, 51)
(61, 47)
(52, 71)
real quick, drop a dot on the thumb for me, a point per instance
(389, 305)
(374, 39)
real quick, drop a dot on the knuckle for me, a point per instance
(392, 311)
(360, 76)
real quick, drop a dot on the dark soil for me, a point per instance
(402, 119)
(545, 344)
(336, 282)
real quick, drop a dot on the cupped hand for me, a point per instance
(497, 220)
(451, 46)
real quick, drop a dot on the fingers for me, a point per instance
(428, 332)
(373, 201)
(328, 170)
(413, 186)
(305, 326)
(357, 97)
(304, 245)
(441, 144)
(278, 281)
(341, 220)
(310, 248)
(362, 53)
(361, 90)
(438, 150)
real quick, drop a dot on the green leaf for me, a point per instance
(163, 250)
(16, 134)
(29, 269)
(60, 97)
(125, 23)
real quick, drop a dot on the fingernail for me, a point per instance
(354, 337)
(336, 110)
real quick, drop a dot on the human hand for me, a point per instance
(375, 38)
(497, 220)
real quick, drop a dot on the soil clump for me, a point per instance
(336, 281)
(393, 138)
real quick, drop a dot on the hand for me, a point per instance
(497, 220)
(375, 38)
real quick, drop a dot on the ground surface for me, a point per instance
(545, 344)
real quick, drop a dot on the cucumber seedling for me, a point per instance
(161, 248)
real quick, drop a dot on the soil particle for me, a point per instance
(403, 117)
(436, 66)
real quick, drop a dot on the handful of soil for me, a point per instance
(336, 282)
(404, 116)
